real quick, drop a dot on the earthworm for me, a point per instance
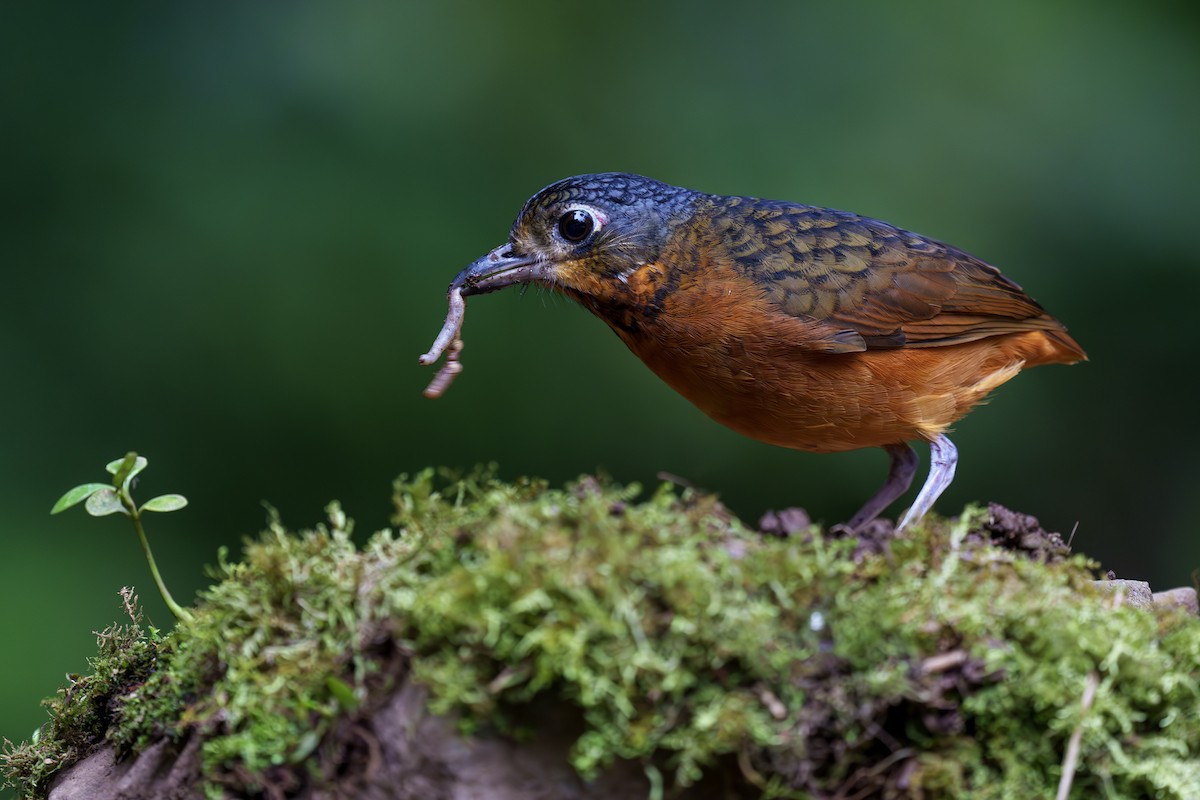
(448, 338)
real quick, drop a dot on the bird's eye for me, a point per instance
(576, 225)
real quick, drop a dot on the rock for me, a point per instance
(1137, 593)
(787, 522)
(1184, 597)
(408, 753)
(161, 771)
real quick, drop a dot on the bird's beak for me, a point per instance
(498, 269)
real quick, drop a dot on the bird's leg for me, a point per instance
(943, 457)
(900, 477)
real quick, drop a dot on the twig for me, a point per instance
(1071, 757)
(774, 705)
(943, 661)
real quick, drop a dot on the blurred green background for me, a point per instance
(229, 229)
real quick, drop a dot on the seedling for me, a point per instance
(102, 499)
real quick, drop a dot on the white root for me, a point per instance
(448, 338)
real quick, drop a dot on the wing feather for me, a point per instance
(891, 287)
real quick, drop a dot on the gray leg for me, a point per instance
(900, 477)
(943, 457)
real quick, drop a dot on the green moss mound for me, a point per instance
(938, 665)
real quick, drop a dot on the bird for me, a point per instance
(803, 327)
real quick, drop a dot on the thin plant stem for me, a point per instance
(179, 611)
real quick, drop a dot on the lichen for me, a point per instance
(942, 666)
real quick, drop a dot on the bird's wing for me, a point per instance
(857, 275)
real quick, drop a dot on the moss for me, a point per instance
(942, 666)
(82, 712)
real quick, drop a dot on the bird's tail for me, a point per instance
(1063, 348)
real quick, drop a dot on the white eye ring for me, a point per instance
(598, 215)
(596, 219)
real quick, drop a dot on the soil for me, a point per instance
(1004, 528)
(1023, 533)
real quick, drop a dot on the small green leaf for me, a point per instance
(126, 469)
(77, 495)
(165, 502)
(104, 502)
(113, 466)
(342, 692)
(307, 744)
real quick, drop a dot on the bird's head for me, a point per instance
(582, 235)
